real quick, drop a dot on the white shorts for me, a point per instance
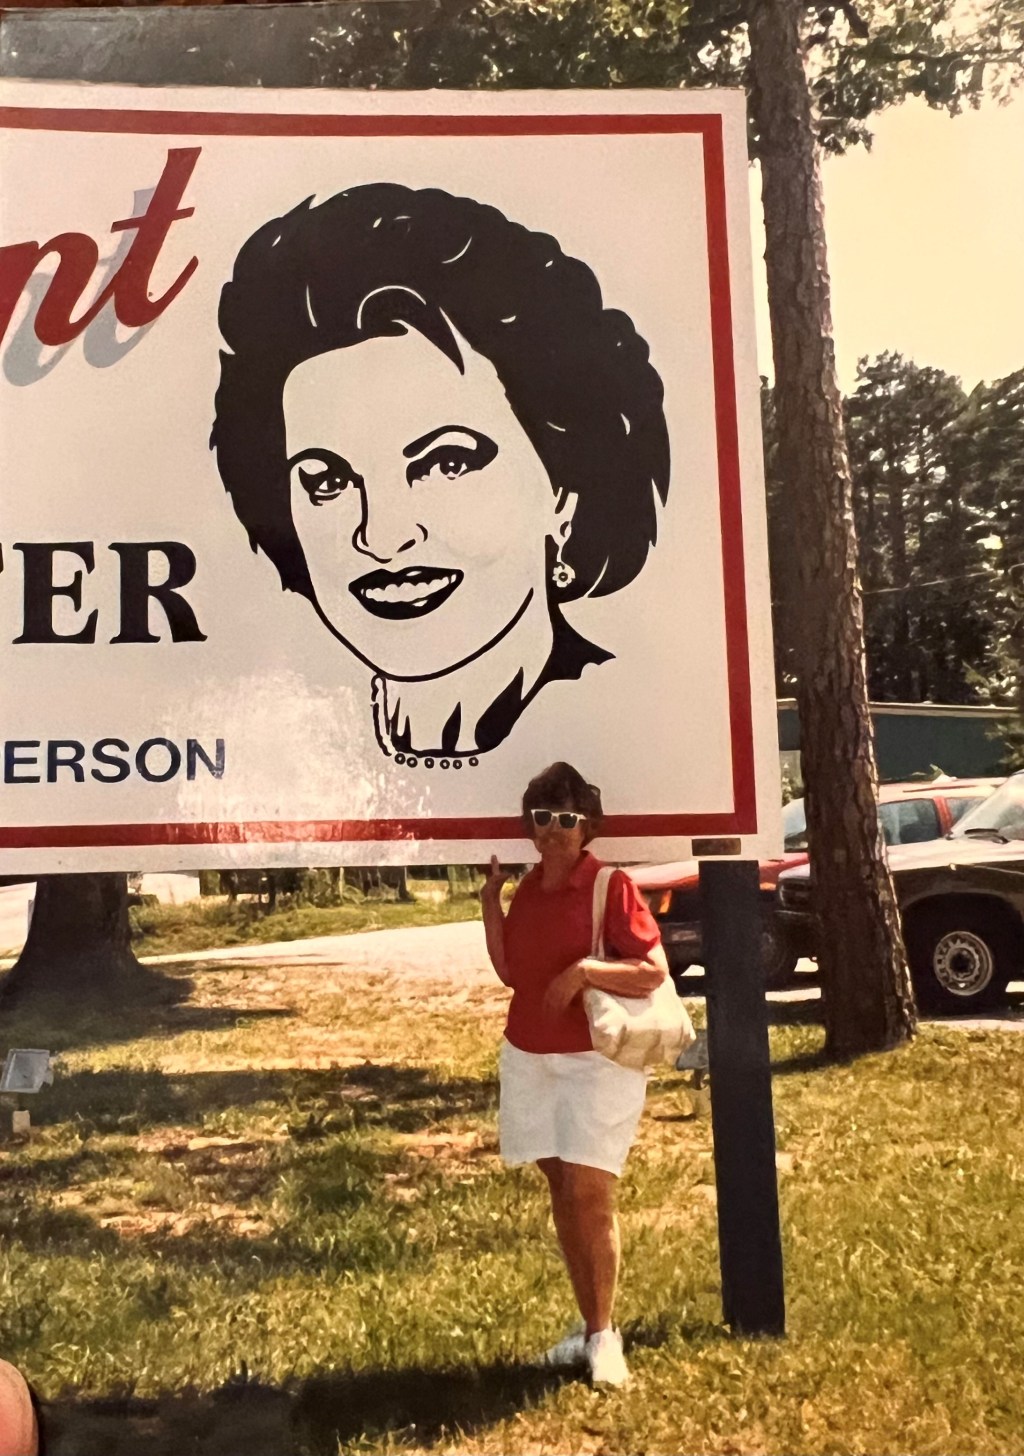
(577, 1106)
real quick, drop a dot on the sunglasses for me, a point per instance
(566, 818)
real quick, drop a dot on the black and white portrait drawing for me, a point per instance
(434, 428)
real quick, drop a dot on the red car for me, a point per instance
(910, 813)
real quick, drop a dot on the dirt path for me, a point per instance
(456, 956)
(454, 953)
(289, 1005)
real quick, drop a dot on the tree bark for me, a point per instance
(396, 878)
(868, 1001)
(78, 947)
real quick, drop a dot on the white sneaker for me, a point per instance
(605, 1359)
(570, 1350)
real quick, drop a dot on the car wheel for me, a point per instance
(959, 960)
(777, 960)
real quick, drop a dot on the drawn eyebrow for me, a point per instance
(425, 440)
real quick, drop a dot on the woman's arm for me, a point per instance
(627, 978)
(622, 978)
(494, 919)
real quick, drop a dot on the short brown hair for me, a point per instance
(380, 259)
(563, 787)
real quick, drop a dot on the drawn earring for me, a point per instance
(562, 573)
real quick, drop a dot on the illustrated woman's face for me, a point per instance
(420, 505)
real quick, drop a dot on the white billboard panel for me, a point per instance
(364, 453)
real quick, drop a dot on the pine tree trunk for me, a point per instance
(868, 1002)
(78, 947)
(395, 877)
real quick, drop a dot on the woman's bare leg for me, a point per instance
(554, 1171)
(583, 1207)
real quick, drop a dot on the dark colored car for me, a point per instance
(961, 899)
(909, 812)
(673, 893)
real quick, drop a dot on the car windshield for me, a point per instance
(794, 825)
(1002, 814)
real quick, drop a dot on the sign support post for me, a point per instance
(743, 1123)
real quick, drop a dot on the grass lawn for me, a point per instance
(272, 1220)
(211, 924)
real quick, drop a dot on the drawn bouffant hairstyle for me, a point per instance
(380, 259)
(562, 786)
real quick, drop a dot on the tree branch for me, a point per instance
(858, 25)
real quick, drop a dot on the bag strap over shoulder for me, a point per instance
(601, 883)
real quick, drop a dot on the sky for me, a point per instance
(926, 243)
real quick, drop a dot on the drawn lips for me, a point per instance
(401, 595)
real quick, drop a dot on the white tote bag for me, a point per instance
(634, 1031)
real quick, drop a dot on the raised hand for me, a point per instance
(490, 893)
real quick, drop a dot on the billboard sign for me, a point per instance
(363, 454)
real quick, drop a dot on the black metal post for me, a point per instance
(750, 1245)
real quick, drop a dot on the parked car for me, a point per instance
(961, 899)
(909, 812)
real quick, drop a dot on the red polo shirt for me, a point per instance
(546, 931)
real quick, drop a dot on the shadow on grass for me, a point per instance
(56, 1230)
(367, 1409)
(322, 1168)
(75, 1233)
(413, 1406)
(810, 1013)
(247, 1260)
(794, 1013)
(813, 1061)
(153, 1003)
(423, 1406)
(131, 1100)
(652, 1333)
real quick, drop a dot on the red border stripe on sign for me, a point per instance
(339, 831)
(730, 493)
(743, 817)
(139, 121)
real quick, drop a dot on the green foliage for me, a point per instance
(791, 784)
(938, 494)
(178, 929)
(862, 57)
(320, 887)
(785, 601)
(991, 440)
(1011, 739)
(921, 518)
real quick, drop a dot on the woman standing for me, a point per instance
(564, 1106)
